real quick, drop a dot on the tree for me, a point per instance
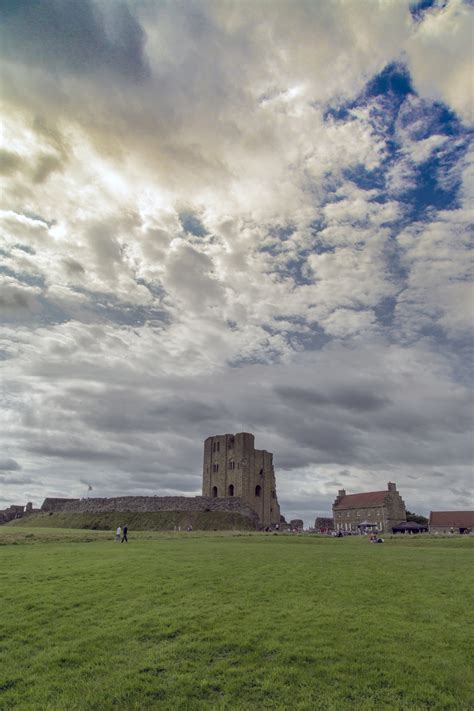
(417, 518)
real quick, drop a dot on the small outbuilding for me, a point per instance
(451, 522)
(410, 527)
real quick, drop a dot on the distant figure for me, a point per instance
(118, 535)
(125, 531)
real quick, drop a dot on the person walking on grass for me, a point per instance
(118, 534)
(125, 531)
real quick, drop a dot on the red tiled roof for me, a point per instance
(356, 501)
(463, 519)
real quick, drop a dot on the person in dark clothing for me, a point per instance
(125, 532)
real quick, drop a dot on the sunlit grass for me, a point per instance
(189, 621)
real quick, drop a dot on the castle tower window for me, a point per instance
(215, 467)
(258, 490)
(214, 491)
(231, 489)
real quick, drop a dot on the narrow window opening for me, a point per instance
(231, 489)
(258, 490)
(214, 491)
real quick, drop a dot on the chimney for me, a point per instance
(391, 486)
(341, 492)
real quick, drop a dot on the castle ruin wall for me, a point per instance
(148, 504)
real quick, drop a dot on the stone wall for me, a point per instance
(13, 512)
(148, 504)
(56, 505)
(233, 467)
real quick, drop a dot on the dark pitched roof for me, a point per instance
(463, 519)
(410, 526)
(356, 501)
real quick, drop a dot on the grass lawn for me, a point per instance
(199, 621)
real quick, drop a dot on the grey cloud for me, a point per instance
(9, 162)
(15, 299)
(9, 465)
(350, 397)
(357, 398)
(301, 396)
(75, 453)
(77, 36)
(123, 411)
(73, 266)
(45, 165)
(17, 480)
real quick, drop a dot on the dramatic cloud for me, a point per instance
(218, 217)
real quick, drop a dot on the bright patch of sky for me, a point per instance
(218, 217)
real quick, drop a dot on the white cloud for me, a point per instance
(178, 247)
(440, 57)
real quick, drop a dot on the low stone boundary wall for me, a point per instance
(146, 504)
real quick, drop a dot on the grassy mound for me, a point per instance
(152, 521)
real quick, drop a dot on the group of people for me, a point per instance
(121, 536)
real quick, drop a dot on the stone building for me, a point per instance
(385, 509)
(233, 467)
(451, 522)
(13, 512)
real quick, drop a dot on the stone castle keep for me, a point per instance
(237, 478)
(233, 467)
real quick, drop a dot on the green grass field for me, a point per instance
(250, 621)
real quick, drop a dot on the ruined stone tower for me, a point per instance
(233, 467)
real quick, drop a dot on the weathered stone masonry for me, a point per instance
(233, 467)
(147, 504)
(385, 509)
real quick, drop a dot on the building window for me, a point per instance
(218, 446)
(231, 443)
(273, 495)
(231, 489)
(231, 465)
(261, 472)
(214, 491)
(215, 467)
(258, 490)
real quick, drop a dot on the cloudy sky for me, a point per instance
(233, 215)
